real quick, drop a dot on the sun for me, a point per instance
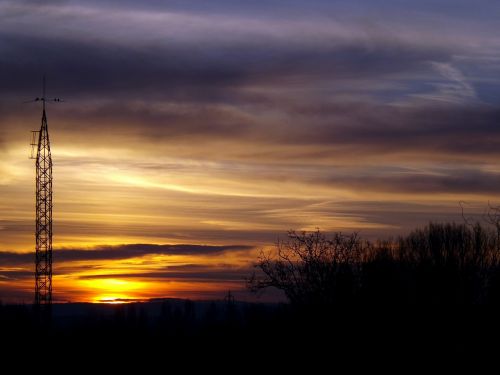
(113, 291)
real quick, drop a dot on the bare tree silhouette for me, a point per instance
(311, 269)
(492, 217)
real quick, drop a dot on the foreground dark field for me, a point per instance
(171, 326)
(430, 294)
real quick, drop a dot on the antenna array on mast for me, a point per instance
(40, 152)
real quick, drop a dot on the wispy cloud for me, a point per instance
(456, 88)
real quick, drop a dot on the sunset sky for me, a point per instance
(194, 133)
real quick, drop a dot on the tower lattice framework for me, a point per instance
(43, 232)
(43, 276)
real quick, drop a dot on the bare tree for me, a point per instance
(492, 217)
(311, 269)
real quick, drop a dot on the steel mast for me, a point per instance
(43, 232)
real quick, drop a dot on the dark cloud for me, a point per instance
(158, 123)
(75, 68)
(24, 229)
(119, 252)
(212, 79)
(182, 71)
(16, 275)
(189, 272)
(354, 128)
(125, 300)
(403, 216)
(457, 181)
(446, 128)
(337, 129)
(274, 7)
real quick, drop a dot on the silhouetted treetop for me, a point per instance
(311, 268)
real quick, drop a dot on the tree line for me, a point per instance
(440, 264)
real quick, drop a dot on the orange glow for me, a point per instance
(112, 290)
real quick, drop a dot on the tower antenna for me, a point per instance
(40, 152)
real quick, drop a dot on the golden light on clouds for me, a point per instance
(114, 201)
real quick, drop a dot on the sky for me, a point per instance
(195, 133)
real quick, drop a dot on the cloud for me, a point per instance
(119, 252)
(303, 131)
(210, 73)
(326, 86)
(12, 275)
(185, 272)
(426, 130)
(407, 181)
(456, 89)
